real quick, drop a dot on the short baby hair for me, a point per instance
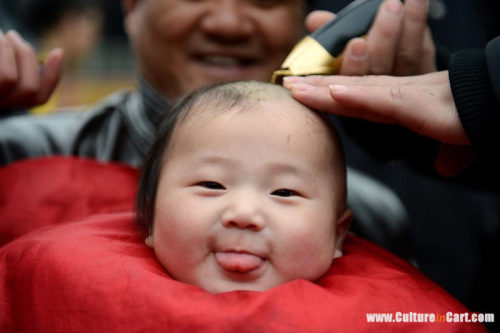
(241, 95)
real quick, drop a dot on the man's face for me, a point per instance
(184, 44)
(247, 199)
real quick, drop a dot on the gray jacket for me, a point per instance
(120, 128)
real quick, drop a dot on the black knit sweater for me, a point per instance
(475, 82)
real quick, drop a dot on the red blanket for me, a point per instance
(80, 271)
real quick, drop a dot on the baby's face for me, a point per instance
(247, 199)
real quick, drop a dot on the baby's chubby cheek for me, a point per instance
(172, 246)
(308, 258)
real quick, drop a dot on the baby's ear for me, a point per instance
(149, 241)
(343, 224)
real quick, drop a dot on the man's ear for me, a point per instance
(128, 6)
(343, 225)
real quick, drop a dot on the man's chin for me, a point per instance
(218, 74)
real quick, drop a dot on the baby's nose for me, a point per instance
(245, 211)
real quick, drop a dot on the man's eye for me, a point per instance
(211, 185)
(285, 193)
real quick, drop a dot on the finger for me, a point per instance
(355, 58)
(313, 80)
(327, 80)
(383, 37)
(426, 110)
(428, 62)
(409, 51)
(50, 74)
(317, 18)
(8, 68)
(318, 98)
(383, 102)
(27, 68)
(367, 80)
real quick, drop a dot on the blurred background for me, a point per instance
(98, 59)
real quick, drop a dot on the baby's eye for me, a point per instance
(285, 193)
(211, 185)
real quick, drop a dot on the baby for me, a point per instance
(244, 189)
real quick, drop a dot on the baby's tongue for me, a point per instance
(238, 262)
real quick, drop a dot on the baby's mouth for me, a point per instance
(238, 262)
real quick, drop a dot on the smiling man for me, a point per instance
(179, 45)
(182, 45)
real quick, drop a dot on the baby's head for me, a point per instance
(244, 189)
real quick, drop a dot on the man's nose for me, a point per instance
(227, 19)
(244, 211)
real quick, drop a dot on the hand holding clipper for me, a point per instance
(319, 53)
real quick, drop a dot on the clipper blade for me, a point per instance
(308, 57)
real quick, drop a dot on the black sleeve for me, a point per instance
(475, 84)
(393, 143)
(493, 61)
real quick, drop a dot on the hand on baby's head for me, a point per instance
(244, 189)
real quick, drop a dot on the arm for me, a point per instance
(407, 101)
(23, 81)
(467, 112)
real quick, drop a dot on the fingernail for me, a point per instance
(301, 87)
(289, 80)
(359, 50)
(338, 88)
(58, 51)
(57, 54)
(393, 7)
(15, 35)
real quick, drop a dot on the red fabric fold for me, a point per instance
(96, 274)
(36, 193)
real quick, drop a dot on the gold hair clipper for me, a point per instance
(320, 52)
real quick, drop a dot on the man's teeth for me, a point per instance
(222, 61)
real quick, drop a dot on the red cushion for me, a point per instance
(47, 191)
(97, 275)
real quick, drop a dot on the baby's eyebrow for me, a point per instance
(276, 168)
(216, 159)
(284, 168)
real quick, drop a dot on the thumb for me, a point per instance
(317, 18)
(50, 74)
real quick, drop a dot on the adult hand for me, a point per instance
(24, 82)
(421, 103)
(398, 43)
